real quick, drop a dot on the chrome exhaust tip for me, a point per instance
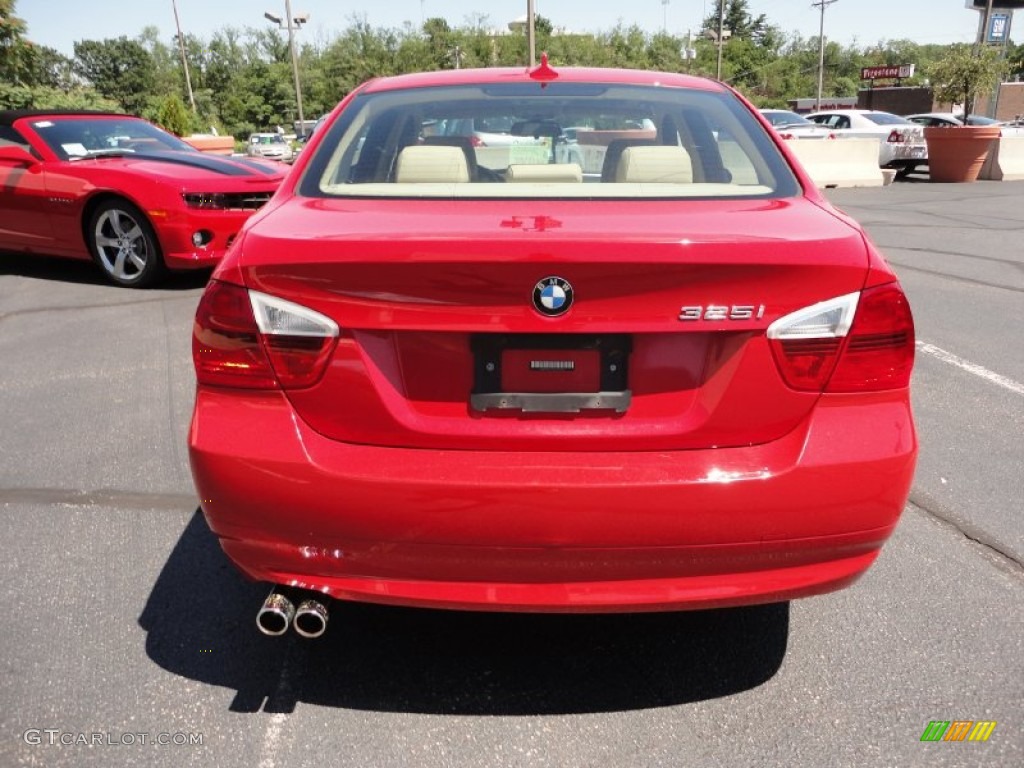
(311, 618)
(275, 615)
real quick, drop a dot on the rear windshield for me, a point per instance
(559, 140)
(786, 119)
(884, 118)
(267, 138)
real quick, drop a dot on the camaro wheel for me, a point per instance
(124, 244)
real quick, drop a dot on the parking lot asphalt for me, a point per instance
(124, 624)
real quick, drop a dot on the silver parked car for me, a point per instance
(947, 119)
(901, 142)
(272, 146)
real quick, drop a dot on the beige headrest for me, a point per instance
(431, 164)
(658, 164)
(554, 172)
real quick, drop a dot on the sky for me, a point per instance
(58, 23)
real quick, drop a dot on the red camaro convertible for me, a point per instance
(642, 367)
(117, 189)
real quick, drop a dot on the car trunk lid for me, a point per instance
(443, 344)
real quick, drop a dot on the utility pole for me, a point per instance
(531, 35)
(184, 61)
(721, 33)
(823, 4)
(292, 23)
(295, 66)
(664, 20)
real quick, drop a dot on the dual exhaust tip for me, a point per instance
(279, 612)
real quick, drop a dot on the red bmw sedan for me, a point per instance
(656, 372)
(119, 190)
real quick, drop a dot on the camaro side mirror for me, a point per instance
(17, 155)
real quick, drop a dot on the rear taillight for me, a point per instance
(226, 346)
(476, 141)
(254, 341)
(787, 136)
(298, 340)
(859, 342)
(879, 350)
(806, 343)
(896, 137)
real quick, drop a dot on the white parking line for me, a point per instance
(977, 370)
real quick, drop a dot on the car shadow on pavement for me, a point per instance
(82, 272)
(201, 625)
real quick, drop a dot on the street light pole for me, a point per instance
(986, 17)
(992, 105)
(822, 4)
(184, 61)
(293, 23)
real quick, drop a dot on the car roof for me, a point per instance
(852, 112)
(8, 116)
(496, 75)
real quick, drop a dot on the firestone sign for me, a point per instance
(881, 73)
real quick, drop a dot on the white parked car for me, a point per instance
(272, 146)
(790, 125)
(941, 119)
(901, 142)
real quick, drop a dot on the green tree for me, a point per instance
(1015, 55)
(440, 42)
(52, 69)
(739, 21)
(543, 29)
(965, 73)
(119, 69)
(16, 53)
(45, 97)
(173, 116)
(167, 76)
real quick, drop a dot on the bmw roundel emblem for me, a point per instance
(552, 296)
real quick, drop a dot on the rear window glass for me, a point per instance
(267, 138)
(884, 118)
(559, 140)
(786, 119)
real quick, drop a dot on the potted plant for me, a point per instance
(966, 72)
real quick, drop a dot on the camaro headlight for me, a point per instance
(207, 200)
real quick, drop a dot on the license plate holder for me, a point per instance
(551, 373)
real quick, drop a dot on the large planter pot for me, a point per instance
(956, 154)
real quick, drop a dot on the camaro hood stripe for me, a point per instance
(225, 166)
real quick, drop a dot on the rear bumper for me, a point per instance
(537, 531)
(903, 155)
